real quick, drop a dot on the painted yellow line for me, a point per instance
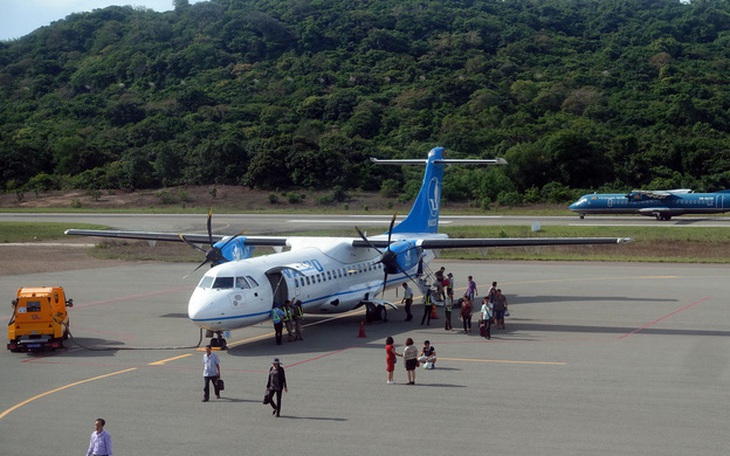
(27, 401)
(163, 361)
(506, 361)
(319, 322)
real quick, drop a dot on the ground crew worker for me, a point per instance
(427, 308)
(298, 314)
(288, 321)
(277, 316)
(407, 300)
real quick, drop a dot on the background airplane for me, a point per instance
(328, 274)
(661, 204)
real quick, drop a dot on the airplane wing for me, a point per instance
(197, 238)
(462, 243)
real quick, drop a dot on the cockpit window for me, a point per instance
(253, 282)
(223, 282)
(205, 282)
(241, 283)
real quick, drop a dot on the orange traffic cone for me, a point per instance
(434, 315)
(362, 329)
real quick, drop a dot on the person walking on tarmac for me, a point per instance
(277, 316)
(427, 308)
(407, 300)
(449, 303)
(211, 373)
(100, 442)
(275, 383)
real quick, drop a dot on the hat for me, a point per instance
(276, 361)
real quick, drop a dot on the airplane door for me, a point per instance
(610, 202)
(279, 286)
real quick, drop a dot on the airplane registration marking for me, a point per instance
(70, 385)
(506, 361)
(163, 361)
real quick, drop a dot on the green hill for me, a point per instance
(276, 94)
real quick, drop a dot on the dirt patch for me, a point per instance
(49, 257)
(221, 197)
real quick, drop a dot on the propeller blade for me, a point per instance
(364, 238)
(390, 228)
(210, 231)
(232, 238)
(199, 266)
(195, 246)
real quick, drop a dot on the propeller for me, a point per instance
(389, 258)
(213, 255)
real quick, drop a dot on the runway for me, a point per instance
(287, 223)
(596, 359)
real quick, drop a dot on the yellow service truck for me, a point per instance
(40, 320)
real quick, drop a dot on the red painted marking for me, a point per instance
(688, 306)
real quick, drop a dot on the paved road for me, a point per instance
(284, 223)
(626, 359)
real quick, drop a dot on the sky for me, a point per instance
(20, 17)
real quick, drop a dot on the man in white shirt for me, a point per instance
(408, 300)
(211, 371)
(100, 443)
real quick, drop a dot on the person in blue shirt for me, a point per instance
(100, 443)
(277, 316)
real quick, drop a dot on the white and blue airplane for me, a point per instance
(661, 204)
(328, 274)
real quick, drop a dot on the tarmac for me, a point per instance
(597, 358)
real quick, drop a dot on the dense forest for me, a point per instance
(279, 94)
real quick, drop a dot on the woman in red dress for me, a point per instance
(390, 355)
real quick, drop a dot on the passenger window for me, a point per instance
(223, 282)
(33, 306)
(252, 281)
(241, 283)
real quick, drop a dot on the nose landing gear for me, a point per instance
(218, 341)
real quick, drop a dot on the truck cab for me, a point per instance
(40, 319)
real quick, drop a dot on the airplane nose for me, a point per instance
(201, 309)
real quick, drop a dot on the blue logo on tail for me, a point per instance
(424, 215)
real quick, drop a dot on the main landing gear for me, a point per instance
(218, 341)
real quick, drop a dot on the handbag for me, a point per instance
(267, 396)
(221, 385)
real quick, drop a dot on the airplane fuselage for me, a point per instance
(679, 203)
(327, 274)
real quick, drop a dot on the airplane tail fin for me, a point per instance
(424, 215)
